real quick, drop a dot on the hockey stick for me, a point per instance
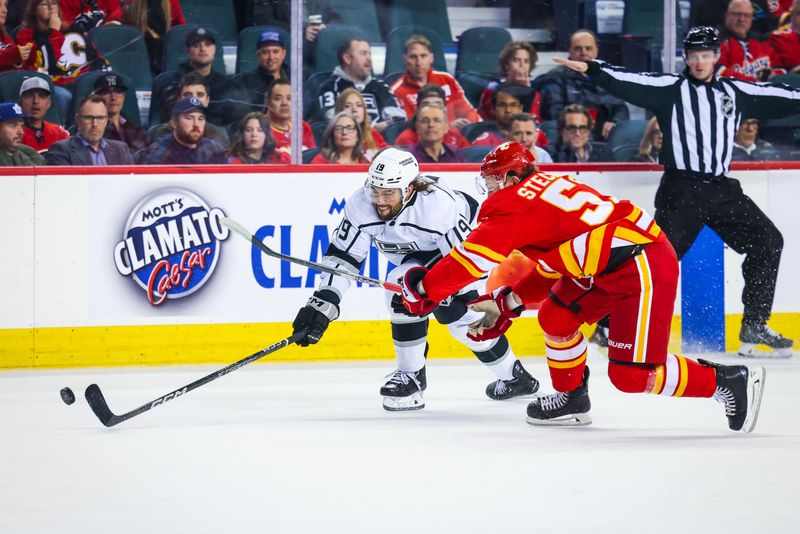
(100, 407)
(245, 233)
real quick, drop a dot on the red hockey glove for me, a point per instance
(413, 300)
(499, 309)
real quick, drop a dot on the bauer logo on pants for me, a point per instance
(171, 244)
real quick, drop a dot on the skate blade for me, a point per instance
(756, 378)
(404, 404)
(750, 350)
(578, 419)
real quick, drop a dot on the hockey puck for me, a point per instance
(67, 396)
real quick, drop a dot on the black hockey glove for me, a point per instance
(88, 21)
(315, 316)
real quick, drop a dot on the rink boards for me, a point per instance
(132, 266)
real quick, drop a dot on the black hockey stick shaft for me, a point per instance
(245, 233)
(96, 400)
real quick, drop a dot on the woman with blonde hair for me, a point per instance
(342, 142)
(154, 19)
(352, 101)
(651, 143)
(253, 142)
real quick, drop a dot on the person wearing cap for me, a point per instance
(111, 88)
(561, 87)
(154, 20)
(249, 89)
(192, 84)
(36, 99)
(12, 152)
(698, 114)
(418, 61)
(186, 145)
(88, 147)
(506, 102)
(201, 48)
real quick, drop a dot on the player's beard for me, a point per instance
(386, 213)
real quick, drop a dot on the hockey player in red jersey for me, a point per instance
(595, 256)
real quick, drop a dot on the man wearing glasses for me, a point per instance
(574, 127)
(111, 88)
(88, 147)
(741, 56)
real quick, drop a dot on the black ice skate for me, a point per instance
(760, 334)
(523, 384)
(563, 409)
(600, 336)
(404, 390)
(740, 390)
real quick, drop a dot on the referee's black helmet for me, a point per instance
(701, 38)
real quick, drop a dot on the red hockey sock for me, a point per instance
(566, 359)
(678, 377)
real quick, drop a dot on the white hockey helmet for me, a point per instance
(393, 169)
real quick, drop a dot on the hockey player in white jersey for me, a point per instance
(412, 220)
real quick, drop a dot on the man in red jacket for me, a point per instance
(595, 255)
(741, 56)
(418, 60)
(36, 99)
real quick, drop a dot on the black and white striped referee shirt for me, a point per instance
(699, 120)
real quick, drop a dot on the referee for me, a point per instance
(699, 115)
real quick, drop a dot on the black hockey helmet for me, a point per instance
(701, 38)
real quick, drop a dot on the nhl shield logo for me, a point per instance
(727, 106)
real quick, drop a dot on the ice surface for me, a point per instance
(308, 448)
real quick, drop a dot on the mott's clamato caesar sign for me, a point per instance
(171, 244)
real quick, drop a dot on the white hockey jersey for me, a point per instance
(431, 223)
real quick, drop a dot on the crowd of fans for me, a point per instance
(201, 115)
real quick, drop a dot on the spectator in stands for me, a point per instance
(747, 146)
(154, 20)
(35, 99)
(516, 61)
(506, 102)
(652, 141)
(186, 145)
(90, 13)
(418, 61)
(12, 56)
(279, 113)
(341, 142)
(432, 126)
(355, 70)
(574, 129)
(253, 142)
(741, 55)
(785, 41)
(249, 89)
(351, 101)
(524, 130)
(12, 151)
(563, 86)
(88, 146)
(434, 95)
(111, 89)
(201, 47)
(193, 84)
(41, 28)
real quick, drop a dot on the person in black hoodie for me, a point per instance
(201, 47)
(248, 91)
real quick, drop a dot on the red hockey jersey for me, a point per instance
(567, 227)
(785, 42)
(751, 60)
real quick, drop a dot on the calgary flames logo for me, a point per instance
(171, 244)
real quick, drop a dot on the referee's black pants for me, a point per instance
(687, 201)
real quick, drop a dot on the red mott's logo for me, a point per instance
(171, 244)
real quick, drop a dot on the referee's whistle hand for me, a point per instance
(579, 66)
